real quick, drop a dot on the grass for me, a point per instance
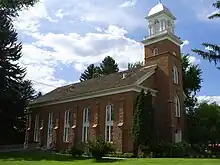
(26, 158)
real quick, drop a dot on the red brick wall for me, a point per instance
(122, 111)
(166, 122)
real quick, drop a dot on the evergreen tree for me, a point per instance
(135, 65)
(15, 92)
(12, 7)
(213, 50)
(92, 71)
(136, 127)
(148, 118)
(108, 66)
(143, 122)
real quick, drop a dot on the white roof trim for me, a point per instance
(160, 37)
(130, 88)
(145, 77)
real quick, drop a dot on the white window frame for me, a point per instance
(178, 136)
(66, 126)
(85, 128)
(109, 123)
(177, 106)
(29, 121)
(36, 128)
(155, 51)
(175, 75)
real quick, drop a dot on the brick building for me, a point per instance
(104, 106)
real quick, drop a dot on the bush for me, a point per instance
(99, 148)
(121, 155)
(76, 151)
(179, 150)
(64, 151)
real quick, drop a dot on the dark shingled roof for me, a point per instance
(113, 80)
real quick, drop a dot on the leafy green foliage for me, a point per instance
(76, 151)
(177, 150)
(143, 123)
(99, 148)
(92, 71)
(191, 76)
(213, 50)
(205, 124)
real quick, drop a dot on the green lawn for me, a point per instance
(49, 159)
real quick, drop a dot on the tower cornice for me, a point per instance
(162, 36)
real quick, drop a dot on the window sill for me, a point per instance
(65, 141)
(177, 116)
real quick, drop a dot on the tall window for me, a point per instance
(36, 128)
(29, 121)
(175, 75)
(109, 124)
(66, 126)
(155, 51)
(85, 131)
(177, 106)
(178, 136)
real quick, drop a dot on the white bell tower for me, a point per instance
(160, 20)
(161, 23)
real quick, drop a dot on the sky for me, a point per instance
(61, 38)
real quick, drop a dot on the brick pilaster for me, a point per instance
(118, 125)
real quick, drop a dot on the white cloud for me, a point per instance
(185, 42)
(128, 3)
(194, 60)
(76, 50)
(210, 99)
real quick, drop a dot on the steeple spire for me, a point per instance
(159, 1)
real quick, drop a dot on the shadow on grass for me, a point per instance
(37, 156)
(107, 160)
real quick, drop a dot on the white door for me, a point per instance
(50, 130)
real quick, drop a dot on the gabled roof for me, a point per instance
(99, 84)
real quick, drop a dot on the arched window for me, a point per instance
(178, 136)
(175, 75)
(163, 25)
(177, 106)
(155, 51)
(157, 26)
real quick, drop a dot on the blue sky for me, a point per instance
(60, 39)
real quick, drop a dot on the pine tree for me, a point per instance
(108, 66)
(213, 50)
(15, 92)
(148, 118)
(135, 65)
(143, 122)
(136, 127)
(92, 71)
(12, 7)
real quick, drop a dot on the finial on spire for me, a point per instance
(159, 1)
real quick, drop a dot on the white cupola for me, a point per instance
(160, 19)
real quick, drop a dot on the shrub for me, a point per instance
(99, 148)
(64, 151)
(76, 151)
(181, 149)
